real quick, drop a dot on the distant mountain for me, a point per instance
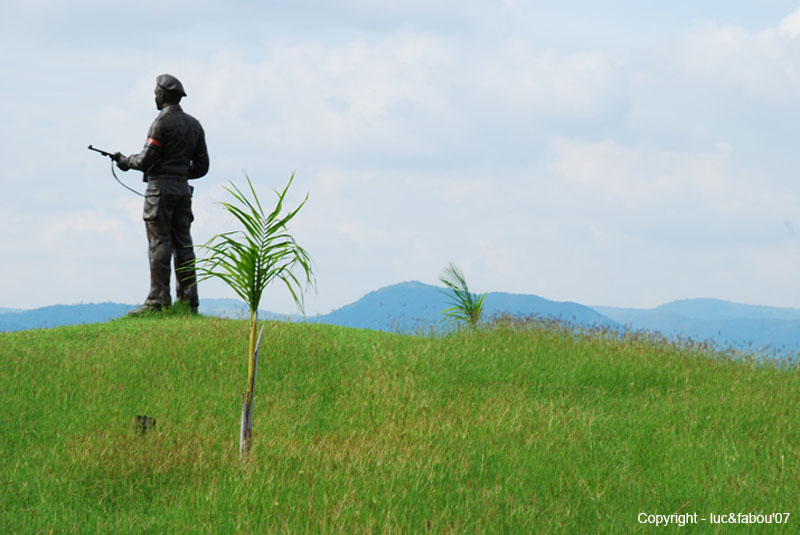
(707, 309)
(411, 307)
(725, 323)
(59, 315)
(235, 309)
(414, 306)
(716, 309)
(532, 305)
(403, 307)
(406, 307)
(224, 308)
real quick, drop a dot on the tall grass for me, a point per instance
(514, 429)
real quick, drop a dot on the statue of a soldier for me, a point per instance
(174, 152)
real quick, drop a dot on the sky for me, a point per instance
(619, 153)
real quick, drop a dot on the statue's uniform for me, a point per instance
(174, 152)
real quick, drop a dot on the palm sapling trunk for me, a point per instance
(246, 430)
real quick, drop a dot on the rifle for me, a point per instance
(104, 153)
(113, 159)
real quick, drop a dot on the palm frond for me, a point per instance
(248, 260)
(466, 306)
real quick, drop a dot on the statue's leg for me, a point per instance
(183, 249)
(157, 217)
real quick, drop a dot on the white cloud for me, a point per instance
(789, 26)
(407, 97)
(731, 58)
(649, 181)
(93, 223)
(526, 79)
(357, 98)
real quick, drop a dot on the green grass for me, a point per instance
(508, 430)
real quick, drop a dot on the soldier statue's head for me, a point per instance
(169, 90)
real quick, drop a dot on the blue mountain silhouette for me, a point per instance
(727, 324)
(414, 307)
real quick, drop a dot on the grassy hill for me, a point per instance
(512, 430)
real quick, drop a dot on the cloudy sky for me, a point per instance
(620, 153)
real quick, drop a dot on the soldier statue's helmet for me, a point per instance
(167, 82)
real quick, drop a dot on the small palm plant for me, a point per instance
(467, 306)
(250, 259)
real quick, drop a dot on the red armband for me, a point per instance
(151, 141)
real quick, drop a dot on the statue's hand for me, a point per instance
(121, 161)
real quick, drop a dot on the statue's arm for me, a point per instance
(198, 167)
(148, 155)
